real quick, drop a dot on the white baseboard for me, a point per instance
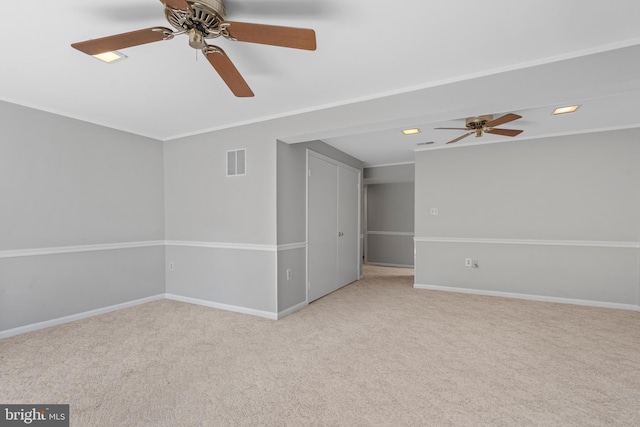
(227, 307)
(275, 316)
(79, 316)
(293, 309)
(386, 264)
(542, 298)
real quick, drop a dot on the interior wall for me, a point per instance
(82, 223)
(390, 223)
(102, 218)
(555, 218)
(292, 220)
(221, 231)
(389, 174)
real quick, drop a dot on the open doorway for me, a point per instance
(388, 219)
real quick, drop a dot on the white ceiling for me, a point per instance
(379, 67)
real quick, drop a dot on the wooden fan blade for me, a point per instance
(505, 132)
(121, 41)
(297, 38)
(229, 73)
(502, 120)
(459, 138)
(453, 128)
(176, 4)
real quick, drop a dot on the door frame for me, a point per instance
(359, 230)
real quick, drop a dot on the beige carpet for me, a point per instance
(375, 353)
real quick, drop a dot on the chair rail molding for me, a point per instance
(539, 242)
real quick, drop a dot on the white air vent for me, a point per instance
(237, 162)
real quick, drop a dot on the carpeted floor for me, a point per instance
(375, 353)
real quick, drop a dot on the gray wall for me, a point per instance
(66, 183)
(42, 288)
(221, 231)
(556, 217)
(390, 222)
(203, 204)
(231, 239)
(242, 279)
(389, 174)
(291, 200)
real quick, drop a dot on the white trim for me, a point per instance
(391, 233)
(306, 225)
(73, 317)
(227, 307)
(131, 245)
(291, 246)
(293, 309)
(385, 264)
(582, 243)
(78, 248)
(223, 245)
(588, 303)
(391, 164)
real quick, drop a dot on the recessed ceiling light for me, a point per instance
(110, 57)
(564, 110)
(411, 131)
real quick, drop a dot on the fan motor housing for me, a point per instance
(475, 123)
(204, 16)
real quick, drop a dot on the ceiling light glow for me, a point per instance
(411, 131)
(110, 57)
(564, 110)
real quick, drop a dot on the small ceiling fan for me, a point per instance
(487, 124)
(206, 19)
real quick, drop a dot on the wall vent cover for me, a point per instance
(237, 162)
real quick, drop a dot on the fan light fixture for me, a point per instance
(206, 19)
(413, 131)
(110, 57)
(564, 110)
(480, 125)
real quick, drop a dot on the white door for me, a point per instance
(322, 224)
(333, 226)
(348, 230)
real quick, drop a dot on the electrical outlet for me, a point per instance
(468, 262)
(289, 274)
(434, 211)
(170, 266)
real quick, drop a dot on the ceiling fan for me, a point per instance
(487, 124)
(201, 20)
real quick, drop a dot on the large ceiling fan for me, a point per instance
(487, 124)
(206, 19)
